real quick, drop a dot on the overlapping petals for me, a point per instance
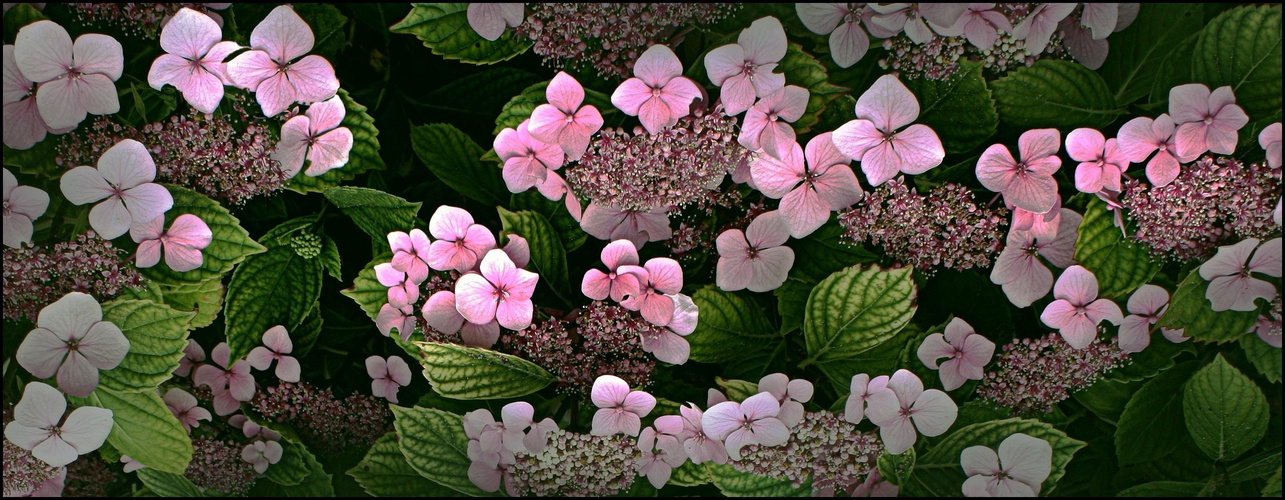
(1141, 136)
(620, 281)
(1102, 162)
(790, 394)
(74, 79)
(1229, 272)
(501, 292)
(810, 184)
(124, 179)
(848, 42)
(752, 421)
(410, 253)
(1028, 184)
(23, 125)
(231, 383)
(22, 206)
(193, 62)
(184, 407)
(968, 353)
(620, 410)
(744, 69)
(610, 223)
(767, 123)
(861, 389)
(182, 244)
(273, 69)
(1145, 307)
(1019, 470)
(563, 121)
(315, 136)
(1207, 121)
(527, 160)
(1040, 24)
(657, 280)
(276, 346)
(1018, 268)
(1270, 140)
(980, 24)
(932, 412)
(73, 342)
(460, 243)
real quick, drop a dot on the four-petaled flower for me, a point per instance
(1027, 184)
(1145, 305)
(38, 426)
(621, 281)
(1207, 121)
(460, 243)
(271, 70)
(1078, 310)
(563, 121)
(611, 223)
(932, 412)
(1102, 161)
(1228, 272)
(657, 280)
(182, 243)
(184, 407)
(658, 94)
(124, 177)
(490, 20)
(744, 69)
(874, 137)
(22, 206)
(1018, 268)
(527, 160)
(1141, 136)
(410, 253)
(1020, 468)
(660, 455)
(752, 421)
(790, 394)
(278, 345)
(75, 79)
(74, 342)
(193, 62)
(767, 123)
(808, 191)
(860, 390)
(501, 292)
(317, 137)
(620, 410)
(387, 376)
(261, 453)
(230, 386)
(968, 353)
(700, 447)
(399, 312)
(756, 258)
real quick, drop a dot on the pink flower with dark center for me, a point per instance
(1020, 468)
(1146, 305)
(400, 317)
(1141, 136)
(1018, 268)
(402, 292)
(1039, 225)
(931, 411)
(658, 94)
(700, 447)
(1207, 121)
(1270, 140)
(610, 223)
(441, 314)
(1102, 162)
(620, 410)
(22, 206)
(752, 421)
(981, 24)
(1040, 24)
(874, 137)
(520, 416)
(388, 375)
(193, 62)
(1078, 310)
(315, 136)
(38, 426)
(658, 278)
(667, 343)
(790, 394)
(124, 178)
(73, 342)
(271, 70)
(861, 389)
(278, 345)
(660, 455)
(620, 282)
(182, 243)
(808, 193)
(968, 353)
(460, 243)
(193, 355)
(410, 253)
(756, 258)
(184, 407)
(1228, 272)
(490, 20)
(23, 125)
(260, 454)
(502, 292)
(527, 160)
(1027, 184)
(75, 79)
(848, 42)
(231, 386)
(563, 121)
(767, 123)
(744, 69)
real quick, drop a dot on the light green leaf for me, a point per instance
(374, 211)
(444, 28)
(855, 310)
(279, 287)
(293, 467)
(728, 327)
(366, 290)
(145, 429)
(1191, 311)
(462, 372)
(229, 245)
(454, 158)
(897, 469)
(520, 107)
(802, 69)
(363, 157)
(167, 484)
(734, 483)
(1265, 358)
(737, 390)
(689, 474)
(938, 473)
(1120, 265)
(1137, 52)
(1226, 413)
(958, 109)
(823, 253)
(1054, 93)
(434, 444)
(567, 227)
(384, 472)
(204, 299)
(157, 335)
(1242, 48)
(548, 258)
(1152, 417)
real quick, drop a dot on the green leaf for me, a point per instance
(327, 27)
(897, 469)
(823, 253)
(145, 429)
(1260, 465)
(1242, 48)
(1273, 488)
(1137, 52)
(434, 444)
(444, 28)
(734, 483)
(1156, 358)
(384, 472)
(374, 211)
(1226, 413)
(1054, 93)
(689, 474)
(293, 467)
(938, 473)
(167, 484)
(1120, 265)
(20, 15)
(229, 245)
(567, 227)
(462, 372)
(855, 310)
(454, 158)
(791, 301)
(737, 390)
(1163, 489)
(275, 288)
(802, 69)
(1265, 358)
(316, 484)
(548, 258)
(204, 299)
(1173, 71)
(520, 107)
(481, 94)
(363, 157)
(366, 290)
(728, 327)
(959, 109)
(1191, 311)
(142, 105)
(306, 334)
(884, 358)
(157, 335)
(1152, 417)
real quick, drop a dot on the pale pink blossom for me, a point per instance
(184, 407)
(75, 78)
(315, 136)
(1146, 305)
(251, 429)
(402, 292)
(1027, 184)
(790, 394)
(387, 376)
(527, 160)
(931, 411)
(1040, 24)
(275, 69)
(460, 243)
(968, 352)
(668, 344)
(490, 20)
(619, 282)
(130, 465)
(563, 121)
(182, 243)
(38, 426)
(22, 206)
(410, 253)
(914, 18)
(1231, 285)
(861, 389)
(980, 24)
(1268, 329)
(657, 279)
(1018, 268)
(1081, 45)
(1102, 162)
(262, 453)
(767, 123)
(752, 421)
(193, 62)
(401, 317)
(700, 447)
(193, 355)
(744, 69)
(1141, 136)
(1038, 225)
(231, 386)
(441, 314)
(620, 410)
(874, 486)
(124, 179)
(1270, 140)
(848, 42)
(519, 416)
(658, 94)
(73, 342)
(501, 292)
(518, 250)
(1078, 310)
(1019, 470)
(276, 346)
(877, 140)
(610, 223)
(660, 455)
(554, 187)
(809, 190)
(1100, 18)
(1207, 121)
(23, 125)
(756, 258)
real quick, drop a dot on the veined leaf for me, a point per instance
(734, 483)
(144, 429)
(548, 258)
(455, 159)
(1191, 311)
(384, 472)
(229, 246)
(157, 335)
(1120, 265)
(434, 444)
(728, 327)
(855, 310)
(1152, 417)
(1265, 358)
(1053, 93)
(462, 372)
(1225, 411)
(444, 28)
(374, 211)
(279, 287)
(802, 69)
(1138, 52)
(1242, 48)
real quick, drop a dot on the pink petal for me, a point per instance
(657, 66)
(42, 352)
(804, 211)
(837, 185)
(919, 149)
(655, 115)
(23, 125)
(250, 69)
(771, 269)
(629, 97)
(737, 92)
(856, 137)
(485, 478)
(1078, 285)
(314, 79)
(979, 460)
(399, 371)
(275, 94)
(721, 419)
(821, 18)
(127, 164)
(283, 34)
(1026, 459)
(43, 51)
(733, 271)
(330, 151)
(667, 346)
(766, 230)
(1229, 260)
(657, 309)
(77, 376)
(480, 335)
(104, 345)
(898, 435)
(277, 339)
(933, 348)
(764, 41)
(1148, 300)
(565, 92)
(1103, 309)
(1134, 334)
(190, 34)
(260, 358)
(1082, 46)
(665, 274)
(609, 391)
(474, 298)
(934, 412)
(376, 367)
(514, 314)
(292, 149)
(889, 104)
(686, 315)
(450, 223)
(610, 421)
(848, 44)
(1100, 18)
(147, 201)
(723, 63)
(487, 20)
(188, 229)
(1237, 293)
(1059, 313)
(777, 177)
(596, 285)
(1267, 258)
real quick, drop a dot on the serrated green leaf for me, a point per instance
(1137, 52)
(229, 244)
(520, 107)
(1156, 358)
(791, 300)
(689, 474)
(548, 258)
(204, 299)
(1265, 358)
(1163, 489)
(855, 310)
(734, 483)
(1242, 48)
(1152, 417)
(374, 211)
(434, 444)
(366, 290)
(1120, 265)
(166, 484)
(444, 28)
(1107, 398)
(938, 473)
(145, 429)
(728, 327)
(462, 372)
(802, 69)
(896, 352)
(1225, 411)
(567, 227)
(318, 483)
(384, 472)
(275, 288)
(454, 158)
(362, 158)
(959, 109)
(327, 25)
(157, 335)
(293, 466)
(1273, 487)
(1191, 311)
(1054, 93)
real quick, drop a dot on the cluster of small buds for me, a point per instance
(939, 58)
(216, 465)
(138, 19)
(604, 339)
(1032, 375)
(942, 228)
(1214, 201)
(23, 473)
(672, 168)
(210, 155)
(35, 276)
(610, 37)
(576, 465)
(687, 243)
(823, 446)
(324, 422)
(936, 60)
(90, 476)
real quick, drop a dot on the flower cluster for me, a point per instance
(603, 339)
(325, 422)
(216, 465)
(823, 446)
(1032, 375)
(139, 19)
(24, 473)
(36, 276)
(576, 465)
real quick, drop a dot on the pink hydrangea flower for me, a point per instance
(460, 243)
(271, 70)
(490, 20)
(387, 376)
(193, 62)
(124, 178)
(1019, 470)
(767, 123)
(1141, 136)
(22, 206)
(262, 453)
(519, 416)
(250, 429)
(1040, 24)
(182, 243)
(410, 253)
(1207, 121)
(848, 42)
(980, 24)
(73, 342)
(1229, 274)
(1146, 305)
(1028, 184)
(502, 292)
(660, 455)
(790, 394)
(658, 278)
(317, 137)
(861, 389)
(399, 312)
(23, 125)
(931, 411)
(278, 345)
(1039, 225)
(441, 314)
(1270, 140)
(184, 407)
(1078, 310)
(38, 426)
(1102, 162)
(518, 250)
(658, 94)
(968, 353)
(563, 121)
(75, 79)
(914, 18)
(193, 355)
(700, 447)
(756, 258)
(554, 187)
(808, 193)
(231, 386)
(620, 410)
(620, 282)
(744, 69)
(610, 223)
(1018, 268)
(668, 344)
(527, 160)
(752, 421)
(874, 137)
